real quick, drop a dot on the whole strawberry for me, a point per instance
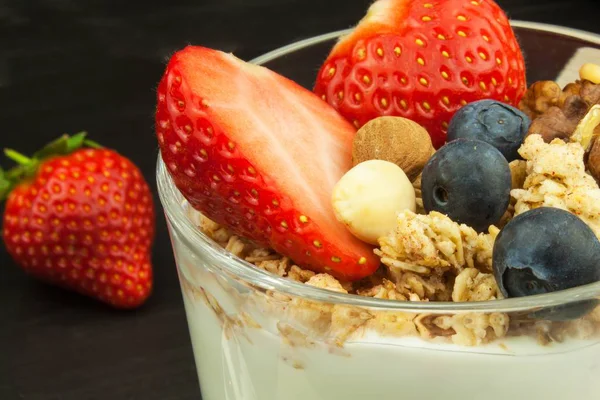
(423, 60)
(81, 218)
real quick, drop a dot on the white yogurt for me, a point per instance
(252, 363)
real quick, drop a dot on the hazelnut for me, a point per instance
(394, 139)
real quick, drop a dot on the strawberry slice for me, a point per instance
(259, 154)
(423, 60)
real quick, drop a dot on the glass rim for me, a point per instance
(226, 262)
(537, 26)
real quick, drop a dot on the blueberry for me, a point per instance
(469, 181)
(566, 312)
(498, 124)
(545, 250)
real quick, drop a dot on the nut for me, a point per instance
(590, 72)
(586, 90)
(394, 139)
(593, 162)
(556, 113)
(587, 134)
(540, 97)
(584, 133)
(556, 123)
(369, 196)
(561, 121)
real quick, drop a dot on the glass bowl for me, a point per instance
(257, 336)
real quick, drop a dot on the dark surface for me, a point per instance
(68, 65)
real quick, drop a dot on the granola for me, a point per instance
(473, 329)
(474, 285)
(556, 177)
(421, 243)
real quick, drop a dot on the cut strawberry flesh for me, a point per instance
(259, 154)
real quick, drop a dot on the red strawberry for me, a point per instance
(82, 220)
(258, 153)
(423, 60)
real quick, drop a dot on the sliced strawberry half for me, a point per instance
(259, 154)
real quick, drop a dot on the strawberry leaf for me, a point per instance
(9, 179)
(15, 173)
(5, 184)
(17, 157)
(58, 146)
(76, 142)
(63, 145)
(92, 144)
(27, 167)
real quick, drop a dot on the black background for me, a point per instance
(68, 65)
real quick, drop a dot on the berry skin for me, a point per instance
(85, 222)
(260, 155)
(423, 60)
(498, 124)
(469, 181)
(546, 250)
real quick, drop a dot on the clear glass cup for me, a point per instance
(257, 336)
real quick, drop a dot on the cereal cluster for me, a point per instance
(556, 177)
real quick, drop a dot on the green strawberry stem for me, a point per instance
(92, 144)
(4, 183)
(27, 167)
(17, 157)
